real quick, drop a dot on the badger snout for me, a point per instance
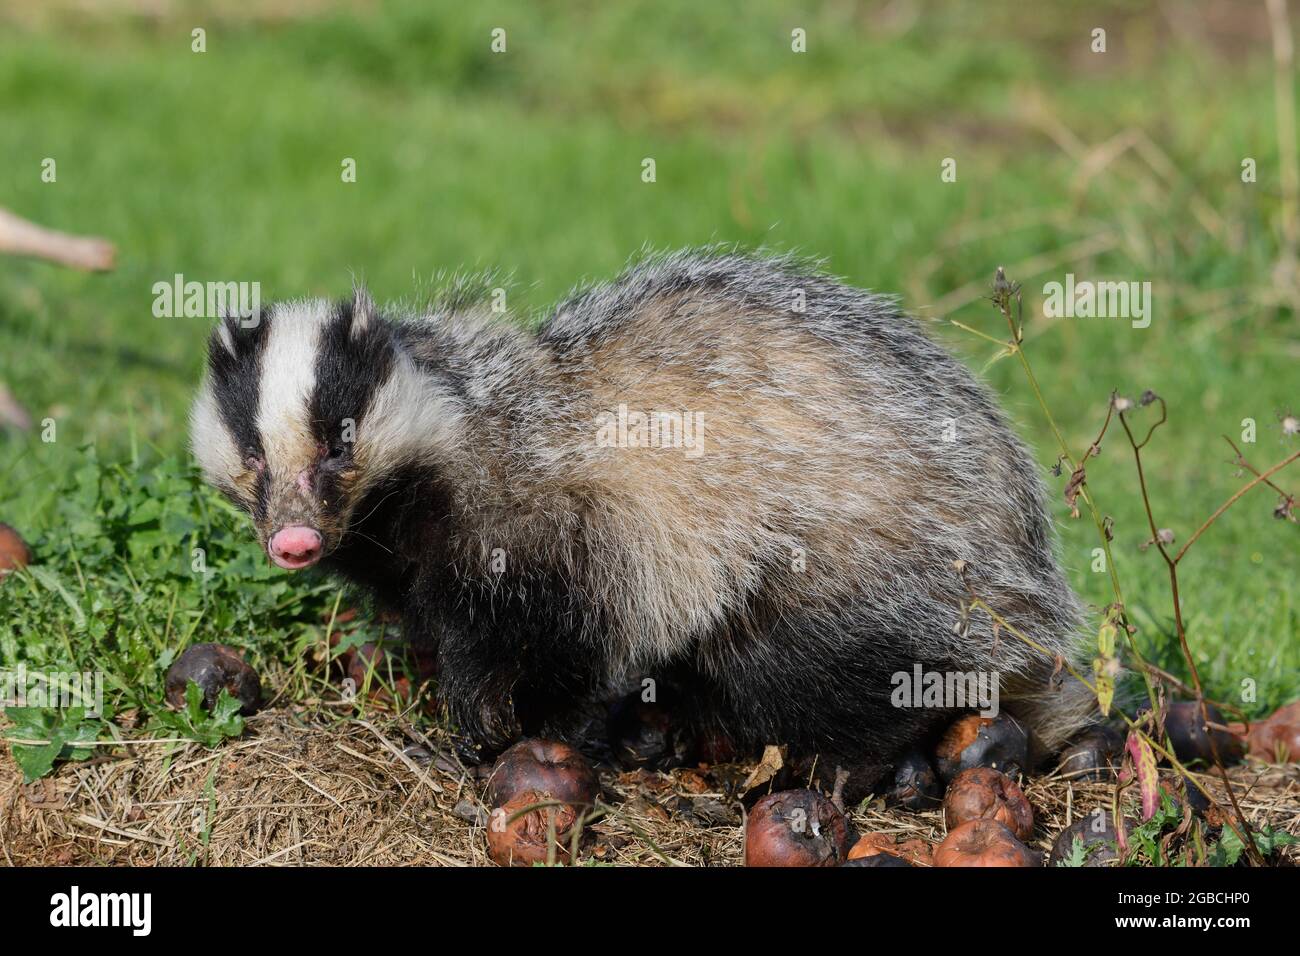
(295, 546)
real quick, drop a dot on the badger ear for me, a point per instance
(224, 334)
(235, 331)
(363, 310)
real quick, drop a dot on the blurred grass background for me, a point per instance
(1122, 165)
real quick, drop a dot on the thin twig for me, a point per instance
(1004, 290)
(1241, 460)
(22, 238)
(1167, 753)
(1245, 833)
(1231, 501)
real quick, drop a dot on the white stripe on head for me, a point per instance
(409, 419)
(211, 442)
(288, 375)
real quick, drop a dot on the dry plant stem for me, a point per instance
(23, 238)
(1004, 291)
(1167, 753)
(1174, 682)
(1231, 501)
(1003, 304)
(1284, 110)
(1241, 460)
(1014, 347)
(1247, 838)
(1245, 833)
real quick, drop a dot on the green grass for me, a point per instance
(226, 165)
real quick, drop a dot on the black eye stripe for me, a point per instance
(236, 379)
(349, 370)
(262, 495)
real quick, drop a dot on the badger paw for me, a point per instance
(489, 724)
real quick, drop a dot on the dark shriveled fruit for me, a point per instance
(915, 851)
(545, 765)
(916, 785)
(879, 859)
(1186, 789)
(1276, 742)
(984, 843)
(1000, 743)
(213, 667)
(14, 552)
(518, 836)
(1095, 755)
(370, 667)
(1100, 841)
(1276, 738)
(643, 734)
(714, 747)
(796, 828)
(984, 794)
(854, 781)
(1187, 732)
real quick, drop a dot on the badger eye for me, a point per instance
(254, 463)
(336, 451)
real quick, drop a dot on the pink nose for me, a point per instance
(295, 546)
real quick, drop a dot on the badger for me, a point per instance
(728, 471)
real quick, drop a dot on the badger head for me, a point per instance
(305, 409)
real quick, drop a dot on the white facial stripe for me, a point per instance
(288, 376)
(407, 419)
(211, 442)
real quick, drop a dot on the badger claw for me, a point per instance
(489, 724)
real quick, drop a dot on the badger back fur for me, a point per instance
(779, 573)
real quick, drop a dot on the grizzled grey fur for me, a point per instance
(776, 575)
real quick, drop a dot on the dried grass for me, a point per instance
(315, 790)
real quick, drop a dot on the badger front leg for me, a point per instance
(477, 688)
